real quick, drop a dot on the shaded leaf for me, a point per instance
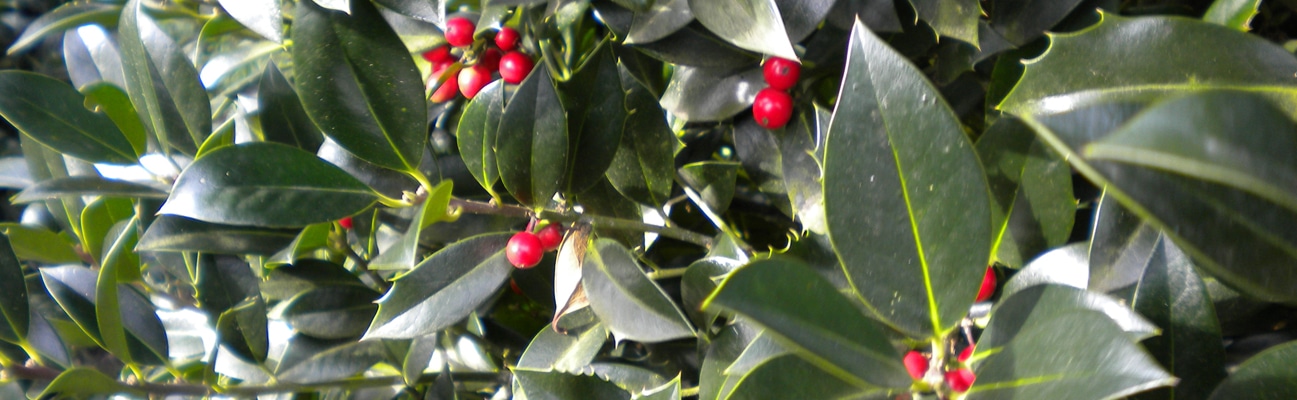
(1267, 375)
(594, 99)
(694, 46)
(443, 289)
(331, 312)
(956, 19)
(404, 253)
(789, 375)
(242, 329)
(162, 83)
(660, 20)
(308, 360)
(714, 181)
(803, 309)
(531, 145)
(52, 113)
(624, 298)
(87, 186)
(359, 84)
(475, 134)
(285, 282)
(1021, 21)
(282, 118)
(699, 94)
(700, 279)
(66, 16)
(83, 383)
(754, 25)
(1120, 245)
(878, 15)
(544, 385)
(801, 149)
(914, 254)
(570, 348)
(642, 168)
(1032, 305)
(174, 233)
(226, 289)
(1033, 208)
(1235, 14)
(263, 17)
(39, 244)
(13, 296)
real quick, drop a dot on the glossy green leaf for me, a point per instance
(1097, 65)
(802, 17)
(313, 237)
(242, 329)
(1236, 14)
(804, 311)
(643, 166)
(698, 94)
(112, 100)
(1171, 295)
(282, 118)
(532, 141)
(878, 15)
(87, 186)
(222, 284)
(108, 310)
(422, 350)
(475, 134)
(1034, 304)
(698, 282)
(545, 385)
(1021, 21)
(1198, 135)
(306, 274)
(162, 83)
(758, 151)
(914, 253)
(91, 57)
(73, 288)
(789, 375)
(44, 163)
(173, 233)
(64, 17)
(595, 101)
(1120, 245)
(1099, 362)
(626, 300)
(359, 84)
(53, 113)
(443, 289)
(721, 351)
(84, 383)
(714, 181)
(234, 185)
(263, 17)
(568, 350)
(308, 360)
(433, 12)
(801, 149)
(668, 391)
(695, 46)
(13, 296)
(660, 20)
(389, 182)
(1033, 208)
(956, 19)
(404, 253)
(331, 312)
(1066, 265)
(754, 25)
(39, 244)
(603, 199)
(1268, 375)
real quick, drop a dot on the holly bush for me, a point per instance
(934, 199)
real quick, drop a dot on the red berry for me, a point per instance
(345, 222)
(448, 89)
(515, 66)
(916, 364)
(438, 55)
(459, 32)
(772, 108)
(781, 74)
(473, 79)
(988, 285)
(506, 39)
(960, 380)
(524, 250)
(550, 236)
(490, 59)
(964, 354)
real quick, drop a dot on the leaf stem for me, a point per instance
(477, 207)
(666, 273)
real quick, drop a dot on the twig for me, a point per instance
(477, 207)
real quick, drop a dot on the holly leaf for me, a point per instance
(531, 144)
(53, 113)
(754, 25)
(624, 298)
(163, 83)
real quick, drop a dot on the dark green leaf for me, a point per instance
(1236, 14)
(308, 360)
(642, 168)
(1021, 21)
(750, 24)
(595, 100)
(331, 312)
(532, 144)
(626, 300)
(545, 385)
(433, 12)
(694, 46)
(1032, 188)
(282, 118)
(404, 253)
(285, 282)
(475, 134)
(172, 233)
(87, 186)
(416, 360)
(13, 295)
(603, 199)
(242, 329)
(1032, 305)
(723, 350)
(661, 20)
(53, 113)
(163, 83)
(39, 244)
(808, 315)
(915, 253)
(698, 282)
(312, 238)
(1120, 246)
(1172, 296)
(1098, 362)
(878, 15)
(84, 383)
(714, 182)
(66, 16)
(758, 151)
(1269, 375)
(222, 284)
(801, 17)
(698, 94)
(956, 19)
(1198, 135)
(569, 350)
(73, 287)
(443, 289)
(389, 182)
(801, 149)
(668, 391)
(359, 84)
(234, 185)
(791, 376)
(108, 310)
(263, 17)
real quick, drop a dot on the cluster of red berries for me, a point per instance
(773, 106)
(525, 249)
(958, 379)
(505, 58)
